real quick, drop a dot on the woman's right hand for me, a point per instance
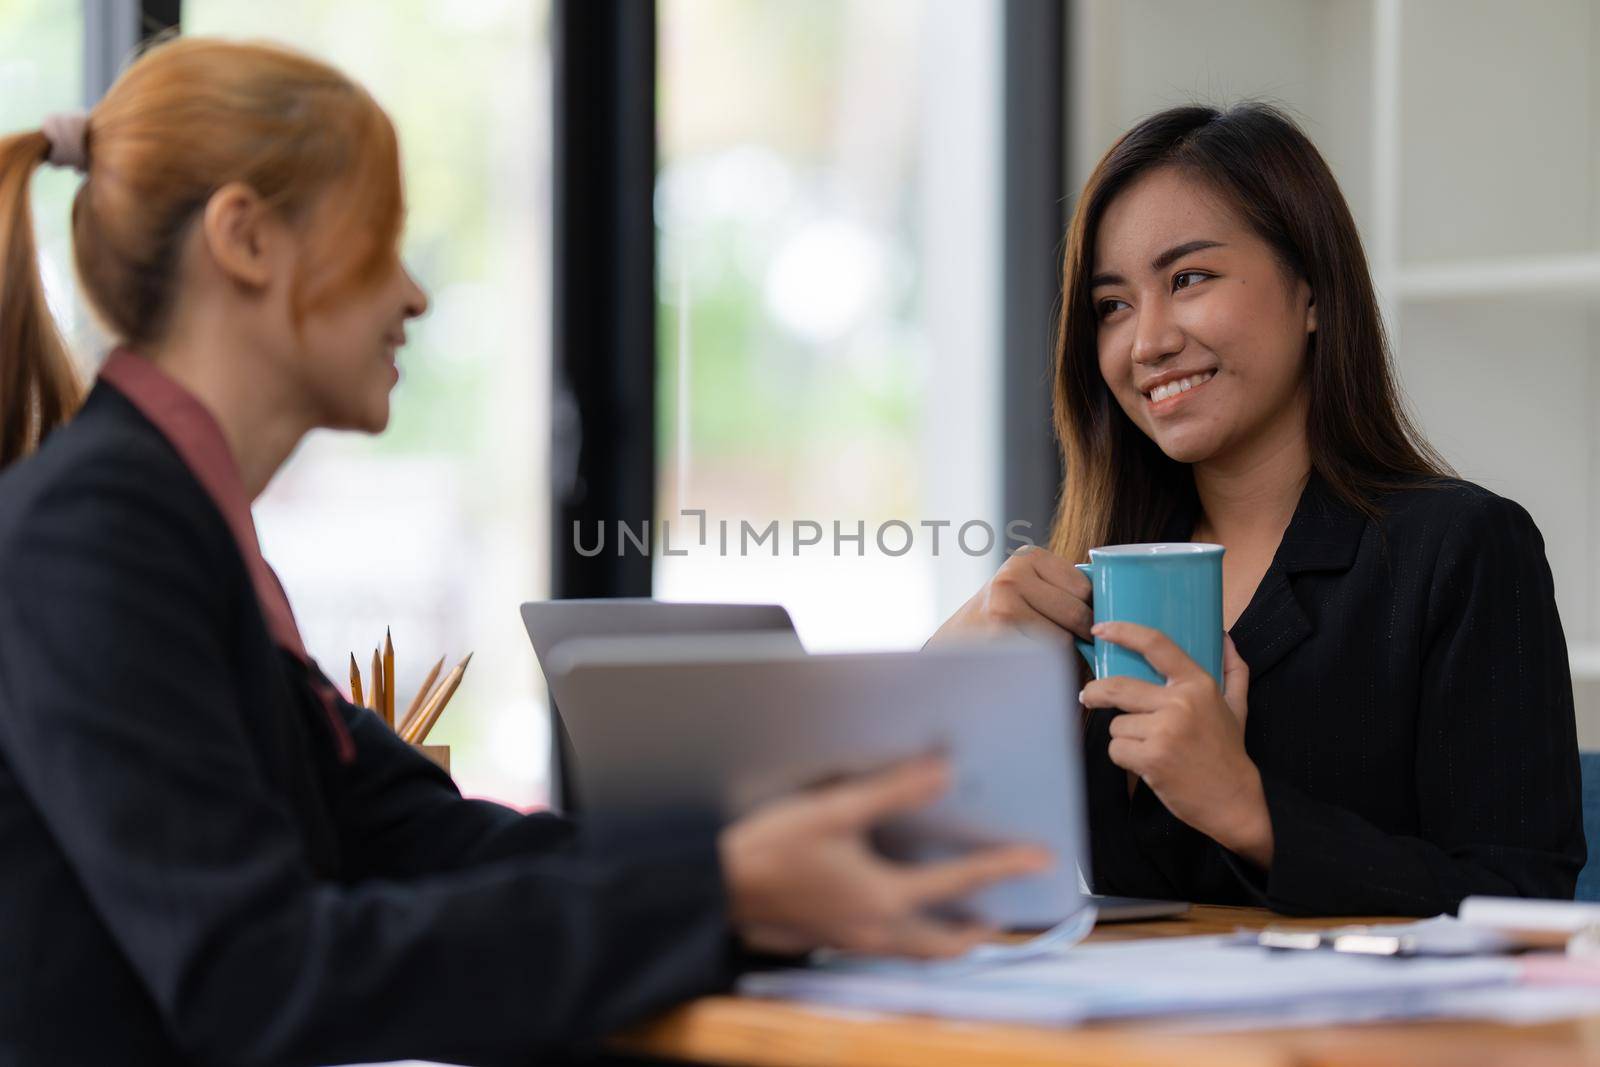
(802, 873)
(1035, 590)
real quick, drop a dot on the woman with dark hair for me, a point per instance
(1395, 727)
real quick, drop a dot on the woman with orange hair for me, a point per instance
(210, 856)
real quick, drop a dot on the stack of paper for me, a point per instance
(1164, 977)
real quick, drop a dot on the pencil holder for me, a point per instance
(439, 754)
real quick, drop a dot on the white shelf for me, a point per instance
(1565, 277)
(1585, 661)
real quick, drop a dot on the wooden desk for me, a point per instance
(734, 1030)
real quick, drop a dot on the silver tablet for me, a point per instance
(660, 725)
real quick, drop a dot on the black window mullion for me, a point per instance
(603, 457)
(1035, 217)
(113, 31)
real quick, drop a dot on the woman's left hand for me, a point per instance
(1186, 739)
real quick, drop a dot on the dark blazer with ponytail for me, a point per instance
(192, 875)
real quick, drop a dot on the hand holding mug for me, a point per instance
(1185, 739)
(1035, 590)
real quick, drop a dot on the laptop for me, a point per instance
(550, 622)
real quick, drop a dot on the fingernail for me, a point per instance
(1097, 628)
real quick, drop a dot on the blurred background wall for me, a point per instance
(857, 208)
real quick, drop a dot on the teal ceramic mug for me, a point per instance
(1175, 588)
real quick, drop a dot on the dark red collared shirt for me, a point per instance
(195, 435)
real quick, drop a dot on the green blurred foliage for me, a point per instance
(767, 405)
(438, 69)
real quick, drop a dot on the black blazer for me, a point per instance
(1410, 711)
(192, 876)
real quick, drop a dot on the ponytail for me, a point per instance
(187, 117)
(39, 388)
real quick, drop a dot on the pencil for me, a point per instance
(355, 683)
(424, 691)
(388, 678)
(435, 706)
(377, 683)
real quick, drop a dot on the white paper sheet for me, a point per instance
(1162, 977)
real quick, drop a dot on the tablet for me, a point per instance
(660, 726)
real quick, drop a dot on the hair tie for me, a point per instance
(68, 134)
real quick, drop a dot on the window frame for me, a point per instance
(116, 29)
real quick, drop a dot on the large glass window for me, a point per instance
(435, 528)
(828, 217)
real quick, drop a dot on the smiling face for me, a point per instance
(346, 356)
(319, 356)
(1201, 334)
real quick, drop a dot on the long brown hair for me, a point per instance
(187, 117)
(1119, 486)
